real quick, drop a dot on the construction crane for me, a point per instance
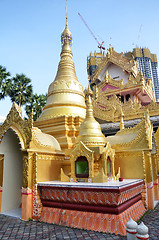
(100, 45)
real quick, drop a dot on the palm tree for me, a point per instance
(37, 102)
(21, 90)
(5, 82)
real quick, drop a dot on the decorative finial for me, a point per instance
(66, 34)
(121, 120)
(89, 107)
(66, 11)
(89, 89)
(146, 114)
(106, 76)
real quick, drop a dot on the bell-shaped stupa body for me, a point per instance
(90, 130)
(65, 94)
(65, 108)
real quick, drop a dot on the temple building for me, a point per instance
(147, 63)
(118, 85)
(62, 169)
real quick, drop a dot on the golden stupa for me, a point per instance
(90, 130)
(92, 158)
(65, 108)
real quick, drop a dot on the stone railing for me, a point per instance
(136, 232)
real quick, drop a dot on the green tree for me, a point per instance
(21, 90)
(36, 104)
(5, 82)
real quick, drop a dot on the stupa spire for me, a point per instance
(66, 34)
(65, 93)
(90, 131)
(89, 108)
(66, 11)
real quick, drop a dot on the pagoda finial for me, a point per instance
(89, 107)
(106, 76)
(66, 34)
(142, 76)
(90, 130)
(66, 13)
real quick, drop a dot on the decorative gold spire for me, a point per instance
(106, 77)
(122, 120)
(90, 131)
(65, 93)
(66, 33)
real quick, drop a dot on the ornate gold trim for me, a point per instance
(118, 59)
(66, 91)
(23, 128)
(109, 109)
(63, 104)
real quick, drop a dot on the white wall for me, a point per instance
(114, 71)
(12, 172)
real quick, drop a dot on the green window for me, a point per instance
(108, 167)
(82, 170)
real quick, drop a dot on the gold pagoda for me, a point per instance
(92, 158)
(65, 108)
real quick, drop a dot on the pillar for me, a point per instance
(144, 195)
(27, 203)
(155, 180)
(27, 196)
(149, 179)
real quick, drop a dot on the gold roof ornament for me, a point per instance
(90, 131)
(29, 137)
(65, 93)
(66, 33)
(122, 120)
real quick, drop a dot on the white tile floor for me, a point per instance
(13, 213)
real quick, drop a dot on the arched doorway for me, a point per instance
(12, 173)
(81, 167)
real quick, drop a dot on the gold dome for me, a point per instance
(65, 93)
(90, 131)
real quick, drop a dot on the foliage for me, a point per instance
(20, 90)
(36, 104)
(5, 82)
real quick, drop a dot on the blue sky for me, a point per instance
(30, 34)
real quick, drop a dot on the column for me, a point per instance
(27, 198)
(155, 180)
(149, 179)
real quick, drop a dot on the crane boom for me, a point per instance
(99, 45)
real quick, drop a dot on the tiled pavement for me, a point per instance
(13, 228)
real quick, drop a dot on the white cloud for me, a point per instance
(2, 118)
